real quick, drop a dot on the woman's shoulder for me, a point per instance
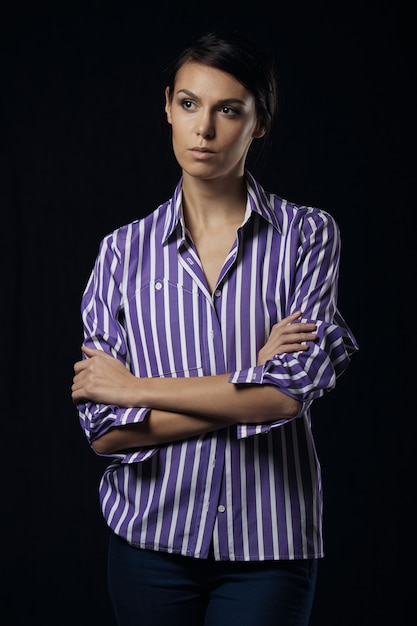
(285, 210)
(140, 226)
(308, 220)
(300, 210)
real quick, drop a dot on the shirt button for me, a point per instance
(221, 508)
(217, 293)
(158, 286)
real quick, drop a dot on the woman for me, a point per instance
(210, 327)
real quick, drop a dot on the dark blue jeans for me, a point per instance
(159, 589)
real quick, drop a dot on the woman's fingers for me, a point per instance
(288, 336)
(290, 318)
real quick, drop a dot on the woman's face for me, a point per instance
(213, 120)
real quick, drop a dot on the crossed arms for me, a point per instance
(186, 407)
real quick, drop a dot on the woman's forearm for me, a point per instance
(158, 427)
(180, 407)
(214, 397)
(189, 407)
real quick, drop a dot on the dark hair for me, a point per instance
(234, 53)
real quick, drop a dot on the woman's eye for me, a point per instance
(187, 104)
(229, 111)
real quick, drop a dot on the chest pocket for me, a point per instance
(165, 326)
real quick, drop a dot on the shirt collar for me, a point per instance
(261, 202)
(258, 201)
(174, 213)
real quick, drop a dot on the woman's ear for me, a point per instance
(259, 132)
(168, 105)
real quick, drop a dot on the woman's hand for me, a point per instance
(103, 379)
(287, 336)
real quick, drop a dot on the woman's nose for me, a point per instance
(205, 127)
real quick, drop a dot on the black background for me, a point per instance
(84, 148)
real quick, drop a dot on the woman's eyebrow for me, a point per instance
(222, 102)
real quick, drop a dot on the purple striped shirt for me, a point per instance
(253, 492)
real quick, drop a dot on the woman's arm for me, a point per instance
(157, 428)
(186, 407)
(205, 404)
(104, 379)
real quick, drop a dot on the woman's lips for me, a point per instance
(201, 154)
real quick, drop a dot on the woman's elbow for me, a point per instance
(290, 407)
(118, 439)
(281, 407)
(103, 444)
(287, 408)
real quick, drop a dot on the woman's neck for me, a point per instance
(211, 203)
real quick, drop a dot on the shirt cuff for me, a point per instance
(255, 375)
(251, 375)
(121, 417)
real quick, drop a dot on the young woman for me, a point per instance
(210, 327)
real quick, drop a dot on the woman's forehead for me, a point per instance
(203, 80)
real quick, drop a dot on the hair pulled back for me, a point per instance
(232, 52)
